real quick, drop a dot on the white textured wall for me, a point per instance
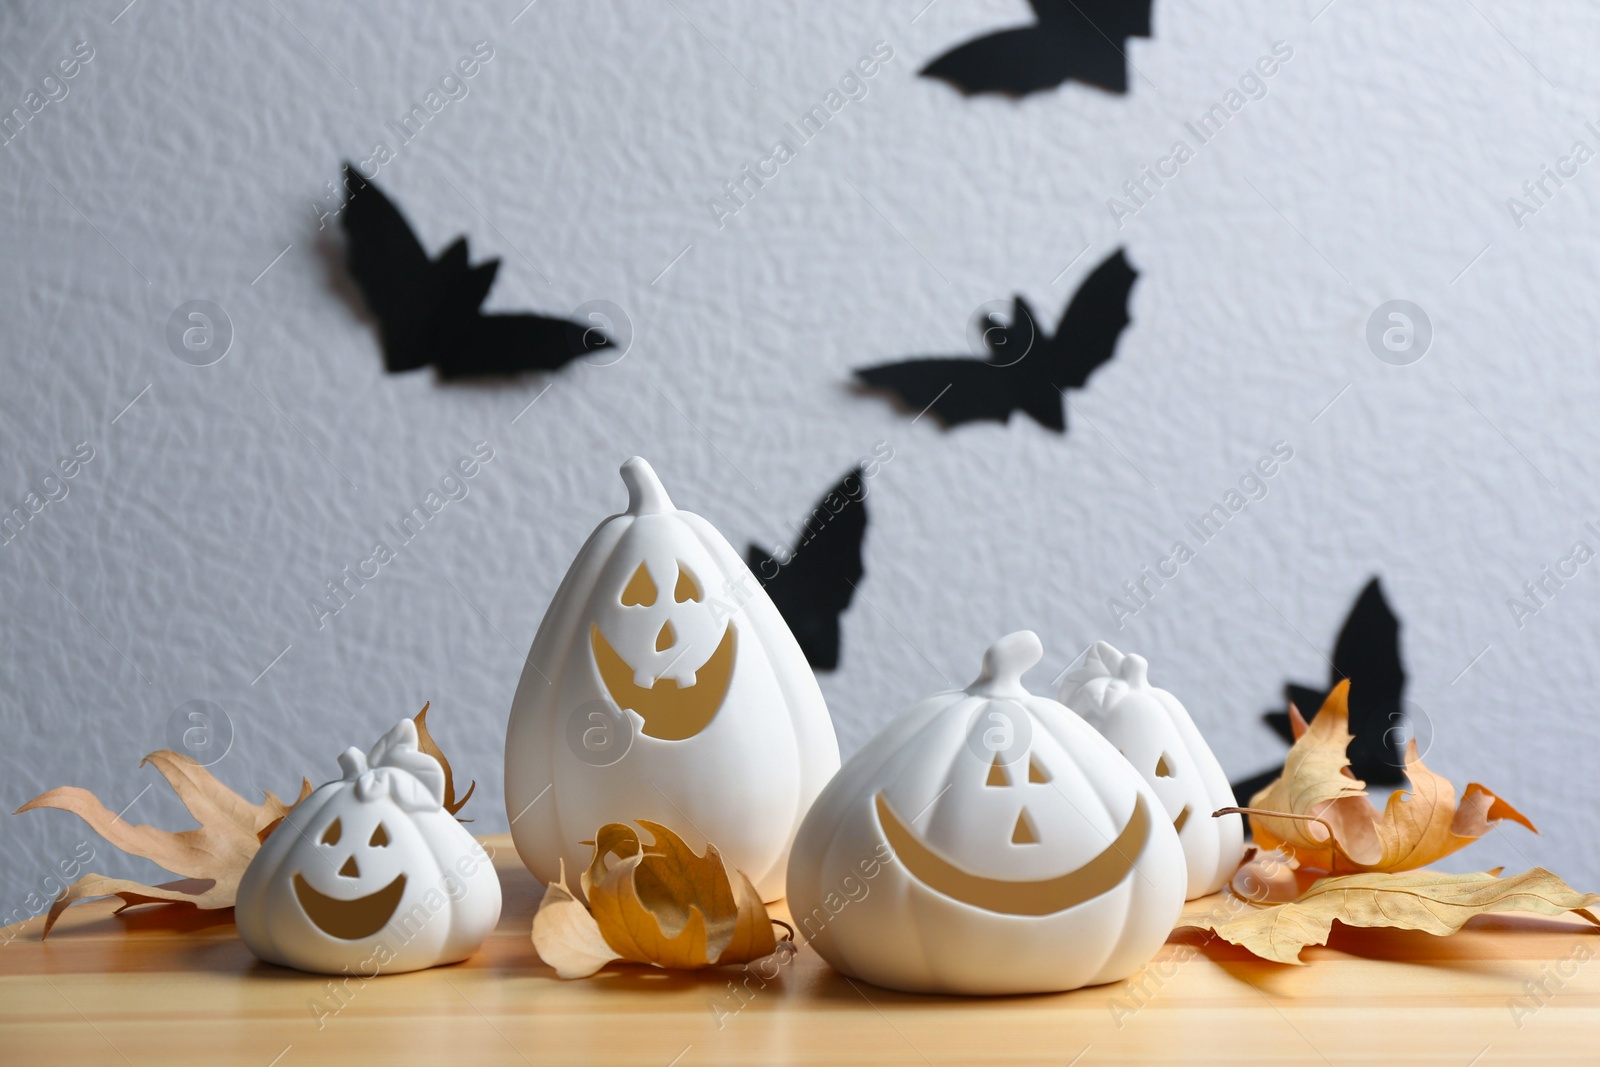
(186, 156)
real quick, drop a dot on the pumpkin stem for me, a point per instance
(646, 494)
(1004, 664)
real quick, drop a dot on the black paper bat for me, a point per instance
(1367, 653)
(1029, 370)
(427, 309)
(814, 587)
(1078, 39)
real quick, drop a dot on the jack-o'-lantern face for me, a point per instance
(671, 709)
(1040, 896)
(351, 881)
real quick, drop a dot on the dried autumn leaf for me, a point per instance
(566, 936)
(665, 905)
(1436, 903)
(212, 857)
(1320, 814)
(427, 745)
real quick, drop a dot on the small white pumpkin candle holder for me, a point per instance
(987, 841)
(370, 874)
(1149, 726)
(664, 685)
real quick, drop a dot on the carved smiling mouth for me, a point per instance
(349, 920)
(670, 713)
(1044, 896)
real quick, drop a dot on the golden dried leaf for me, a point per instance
(215, 855)
(1320, 814)
(427, 745)
(566, 936)
(663, 904)
(1438, 904)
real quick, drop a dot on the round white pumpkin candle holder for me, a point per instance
(1149, 726)
(664, 685)
(987, 841)
(370, 874)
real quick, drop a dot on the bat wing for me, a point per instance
(393, 271)
(486, 346)
(1092, 324)
(1368, 653)
(1016, 62)
(1092, 36)
(815, 586)
(966, 390)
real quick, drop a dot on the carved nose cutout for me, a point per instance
(1024, 833)
(1181, 820)
(330, 836)
(640, 592)
(666, 637)
(350, 870)
(1162, 770)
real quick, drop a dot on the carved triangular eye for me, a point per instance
(997, 773)
(1036, 772)
(380, 837)
(1163, 770)
(686, 589)
(640, 591)
(1024, 833)
(330, 836)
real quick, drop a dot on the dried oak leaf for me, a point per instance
(1417, 900)
(427, 745)
(658, 903)
(566, 936)
(1319, 813)
(211, 858)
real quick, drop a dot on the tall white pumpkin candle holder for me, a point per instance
(664, 685)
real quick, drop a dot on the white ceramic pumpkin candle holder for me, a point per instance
(663, 685)
(1153, 730)
(370, 874)
(987, 841)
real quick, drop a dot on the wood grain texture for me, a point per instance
(143, 989)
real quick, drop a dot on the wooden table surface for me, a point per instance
(141, 989)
